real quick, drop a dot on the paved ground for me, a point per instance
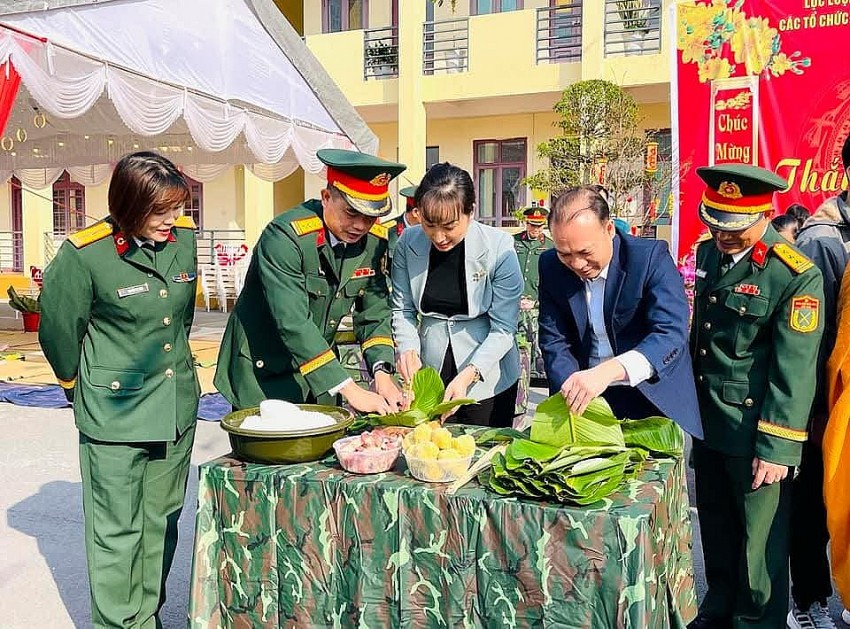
(43, 582)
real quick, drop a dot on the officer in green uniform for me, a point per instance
(312, 266)
(754, 341)
(117, 306)
(408, 219)
(529, 246)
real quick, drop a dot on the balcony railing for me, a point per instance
(632, 27)
(559, 33)
(445, 46)
(209, 238)
(11, 252)
(52, 242)
(380, 53)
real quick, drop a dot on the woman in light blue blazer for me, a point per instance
(456, 291)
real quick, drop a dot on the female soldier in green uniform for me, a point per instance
(117, 306)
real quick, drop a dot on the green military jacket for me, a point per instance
(115, 329)
(754, 342)
(528, 251)
(278, 341)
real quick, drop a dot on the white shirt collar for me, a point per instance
(737, 257)
(603, 274)
(147, 241)
(333, 240)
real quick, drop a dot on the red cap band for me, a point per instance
(375, 190)
(752, 204)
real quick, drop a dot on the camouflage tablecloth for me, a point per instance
(312, 546)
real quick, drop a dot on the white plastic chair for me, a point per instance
(208, 283)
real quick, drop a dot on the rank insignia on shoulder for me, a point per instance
(93, 233)
(364, 272)
(127, 291)
(304, 226)
(747, 289)
(185, 276)
(380, 231)
(185, 222)
(795, 260)
(805, 311)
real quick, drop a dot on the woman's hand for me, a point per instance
(458, 388)
(385, 387)
(408, 364)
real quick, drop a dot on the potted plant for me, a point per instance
(29, 308)
(382, 59)
(634, 15)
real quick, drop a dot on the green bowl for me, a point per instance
(260, 446)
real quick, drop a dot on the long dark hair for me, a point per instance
(446, 192)
(143, 183)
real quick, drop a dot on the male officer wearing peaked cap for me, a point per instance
(408, 219)
(754, 340)
(313, 265)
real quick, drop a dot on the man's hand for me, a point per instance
(581, 387)
(526, 304)
(767, 473)
(385, 387)
(408, 364)
(365, 401)
(458, 387)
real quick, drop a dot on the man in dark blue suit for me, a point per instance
(614, 317)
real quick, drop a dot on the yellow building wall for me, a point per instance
(97, 202)
(289, 192)
(221, 202)
(6, 209)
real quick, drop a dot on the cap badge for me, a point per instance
(730, 190)
(381, 180)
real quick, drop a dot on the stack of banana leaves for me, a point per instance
(575, 459)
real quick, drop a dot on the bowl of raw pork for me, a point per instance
(370, 452)
(282, 432)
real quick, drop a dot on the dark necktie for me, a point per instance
(726, 263)
(339, 257)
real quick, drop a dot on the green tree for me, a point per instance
(600, 127)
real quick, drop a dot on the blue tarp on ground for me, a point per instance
(211, 408)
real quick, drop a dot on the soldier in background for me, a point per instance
(408, 219)
(529, 245)
(757, 326)
(312, 266)
(117, 305)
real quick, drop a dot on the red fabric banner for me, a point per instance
(761, 82)
(10, 81)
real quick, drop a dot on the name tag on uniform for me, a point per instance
(183, 277)
(133, 290)
(747, 289)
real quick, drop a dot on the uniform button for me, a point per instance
(707, 325)
(702, 352)
(259, 364)
(169, 373)
(361, 292)
(163, 293)
(167, 347)
(332, 322)
(166, 321)
(700, 378)
(338, 294)
(748, 402)
(712, 299)
(115, 385)
(150, 274)
(742, 309)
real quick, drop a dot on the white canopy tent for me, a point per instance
(210, 83)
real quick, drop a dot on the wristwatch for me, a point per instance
(477, 376)
(383, 365)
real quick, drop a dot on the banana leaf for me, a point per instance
(495, 435)
(659, 435)
(523, 449)
(428, 389)
(444, 407)
(554, 424)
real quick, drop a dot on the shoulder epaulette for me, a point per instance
(93, 233)
(795, 260)
(379, 230)
(186, 222)
(390, 224)
(303, 226)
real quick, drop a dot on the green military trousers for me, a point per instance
(745, 537)
(132, 497)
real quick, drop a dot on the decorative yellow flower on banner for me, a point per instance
(753, 43)
(714, 69)
(705, 28)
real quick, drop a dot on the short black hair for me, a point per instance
(799, 212)
(586, 198)
(786, 221)
(845, 153)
